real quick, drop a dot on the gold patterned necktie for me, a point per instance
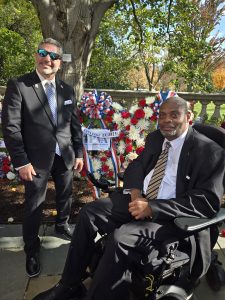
(158, 174)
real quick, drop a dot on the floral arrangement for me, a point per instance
(6, 168)
(96, 111)
(102, 165)
(94, 107)
(134, 124)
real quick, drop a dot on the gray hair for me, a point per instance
(52, 42)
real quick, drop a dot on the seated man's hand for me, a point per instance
(140, 209)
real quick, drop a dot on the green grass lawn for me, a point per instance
(210, 109)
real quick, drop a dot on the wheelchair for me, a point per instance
(169, 277)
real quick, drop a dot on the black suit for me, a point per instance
(199, 190)
(30, 136)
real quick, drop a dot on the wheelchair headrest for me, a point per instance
(217, 134)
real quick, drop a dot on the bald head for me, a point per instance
(180, 102)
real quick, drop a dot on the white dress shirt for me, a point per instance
(167, 187)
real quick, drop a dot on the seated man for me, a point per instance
(180, 173)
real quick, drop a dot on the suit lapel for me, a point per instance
(38, 88)
(184, 161)
(60, 99)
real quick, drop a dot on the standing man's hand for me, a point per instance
(27, 172)
(78, 164)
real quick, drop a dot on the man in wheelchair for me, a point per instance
(180, 173)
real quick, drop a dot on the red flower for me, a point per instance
(122, 159)
(104, 159)
(125, 114)
(151, 105)
(110, 174)
(128, 148)
(139, 113)
(110, 113)
(142, 102)
(121, 136)
(127, 127)
(108, 119)
(81, 119)
(5, 168)
(108, 154)
(115, 126)
(139, 149)
(128, 141)
(6, 160)
(105, 168)
(153, 118)
(134, 121)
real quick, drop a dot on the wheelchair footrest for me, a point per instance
(172, 291)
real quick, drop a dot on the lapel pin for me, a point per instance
(188, 177)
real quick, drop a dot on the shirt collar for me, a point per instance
(44, 81)
(178, 141)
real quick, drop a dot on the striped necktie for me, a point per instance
(158, 174)
(50, 93)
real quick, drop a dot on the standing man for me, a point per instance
(43, 136)
(179, 174)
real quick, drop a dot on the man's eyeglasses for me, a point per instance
(44, 53)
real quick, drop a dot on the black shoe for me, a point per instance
(33, 267)
(60, 292)
(64, 230)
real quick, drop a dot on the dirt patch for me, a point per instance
(12, 198)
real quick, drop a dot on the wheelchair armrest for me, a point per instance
(195, 224)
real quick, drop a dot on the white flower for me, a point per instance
(10, 220)
(116, 106)
(96, 164)
(10, 175)
(133, 109)
(140, 142)
(150, 100)
(117, 118)
(143, 124)
(134, 133)
(148, 112)
(96, 175)
(121, 147)
(126, 122)
(132, 155)
(109, 164)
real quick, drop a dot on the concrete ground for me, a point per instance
(15, 285)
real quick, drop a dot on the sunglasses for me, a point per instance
(44, 53)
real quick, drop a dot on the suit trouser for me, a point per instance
(35, 193)
(130, 243)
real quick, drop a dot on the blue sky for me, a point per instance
(221, 26)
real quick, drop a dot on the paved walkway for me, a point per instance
(15, 285)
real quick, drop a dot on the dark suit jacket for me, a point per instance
(28, 128)
(199, 185)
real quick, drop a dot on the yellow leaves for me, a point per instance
(218, 78)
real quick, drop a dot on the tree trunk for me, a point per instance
(75, 24)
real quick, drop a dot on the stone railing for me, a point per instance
(127, 98)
